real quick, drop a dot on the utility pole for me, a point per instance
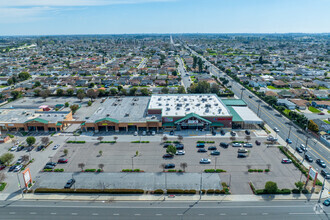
(290, 131)
(321, 190)
(305, 150)
(242, 89)
(259, 101)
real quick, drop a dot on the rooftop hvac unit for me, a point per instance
(159, 104)
(207, 110)
(167, 109)
(177, 108)
(108, 114)
(167, 104)
(188, 109)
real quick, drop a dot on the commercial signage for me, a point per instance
(312, 173)
(27, 177)
(168, 119)
(193, 121)
(104, 124)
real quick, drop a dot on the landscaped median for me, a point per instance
(205, 142)
(142, 142)
(76, 142)
(215, 171)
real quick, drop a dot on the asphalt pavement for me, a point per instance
(162, 210)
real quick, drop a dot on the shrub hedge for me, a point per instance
(130, 170)
(90, 170)
(59, 170)
(2, 186)
(207, 142)
(181, 191)
(159, 191)
(214, 171)
(76, 142)
(108, 142)
(295, 191)
(48, 170)
(138, 142)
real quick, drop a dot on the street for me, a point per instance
(182, 70)
(162, 210)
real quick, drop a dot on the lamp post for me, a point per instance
(305, 150)
(242, 89)
(289, 130)
(201, 186)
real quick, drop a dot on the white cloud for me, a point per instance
(15, 15)
(31, 3)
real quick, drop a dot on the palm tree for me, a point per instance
(101, 166)
(184, 166)
(163, 166)
(81, 166)
(100, 152)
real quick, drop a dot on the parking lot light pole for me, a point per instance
(215, 164)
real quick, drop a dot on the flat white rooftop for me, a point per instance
(247, 115)
(179, 105)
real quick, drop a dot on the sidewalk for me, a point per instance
(96, 197)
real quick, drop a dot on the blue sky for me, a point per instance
(52, 17)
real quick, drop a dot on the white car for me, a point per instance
(180, 152)
(135, 133)
(205, 161)
(14, 148)
(276, 129)
(237, 145)
(56, 146)
(153, 133)
(18, 168)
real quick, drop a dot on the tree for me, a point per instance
(214, 88)
(181, 90)
(15, 94)
(2, 177)
(70, 92)
(66, 104)
(74, 108)
(165, 138)
(65, 151)
(132, 91)
(30, 140)
(144, 92)
(92, 94)
(313, 126)
(115, 138)
(24, 76)
(171, 149)
(123, 91)
(45, 140)
(37, 84)
(183, 166)
(299, 185)
(113, 91)
(25, 158)
(81, 96)
(101, 166)
(165, 90)
(81, 166)
(100, 152)
(7, 158)
(180, 138)
(44, 93)
(59, 92)
(163, 166)
(100, 138)
(271, 187)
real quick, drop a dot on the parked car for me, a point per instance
(19, 148)
(321, 113)
(135, 133)
(205, 161)
(237, 145)
(285, 160)
(215, 152)
(200, 145)
(288, 140)
(321, 163)
(13, 148)
(214, 132)
(258, 142)
(172, 132)
(271, 138)
(201, 150)
(28, 149)
(212, 148)
(12, 168)
(56, 146)
(51, 164)
(166, 145)
(69, 184)
(167, 156)
(18, 168)
(325, 174)
(224, 145)
(250, 96)
(19, 161)
(180, 152)
(242, 150)
(239, 155)
(276, 129)
(39, 148)
(247, 132)
(62, 160)
(144, 133)
(48, 167)
(249, 145)
(308, 158)
(222, 132)
(169, 166)
(298, 149)
(2, 167)
(232, 133)
(153, 133)
(303, 147)
(326, 202)
(179, 146)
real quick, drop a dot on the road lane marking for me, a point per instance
(95, 213)
(265, 213)
(159, 214)
(243, 213)
(302, 213)
(12, 213)
(33, 213)
(201, 214)
(74, 213)
(116, 214)
(53, 213)
(137, 214)
(223, 214)
(179, 214)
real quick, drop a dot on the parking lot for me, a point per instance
(148, 157)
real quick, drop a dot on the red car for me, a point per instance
(2, 167)
(62, 160)
(321, 113)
